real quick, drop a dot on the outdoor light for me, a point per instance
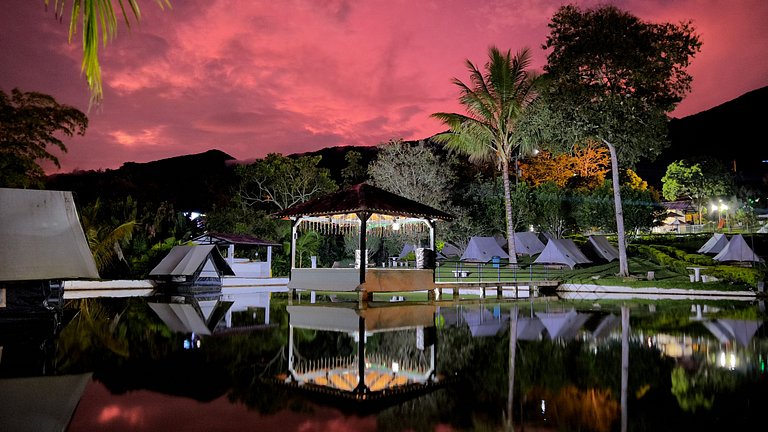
(396, 225)
(395, 367)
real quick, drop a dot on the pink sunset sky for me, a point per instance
(252, 77)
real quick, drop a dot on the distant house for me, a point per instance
(246, 266)
(41, 244)
(191, 270)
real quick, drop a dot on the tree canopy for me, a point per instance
(30, 124)
(614, 78)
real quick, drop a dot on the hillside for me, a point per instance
(731, 132)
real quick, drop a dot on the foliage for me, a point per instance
(552, 209)
(107, 232)
(280, 181)
(412, 171)
(99, 21)
(494, 100)
(30, 124)
(354, 172)
(584, 168)
(612, 78)
(697, 180)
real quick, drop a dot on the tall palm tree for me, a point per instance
(99, 22)
(495, 100)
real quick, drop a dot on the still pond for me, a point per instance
(161, 364)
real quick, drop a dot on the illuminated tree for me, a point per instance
(613, 78)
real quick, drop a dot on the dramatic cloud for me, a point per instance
(254, 77)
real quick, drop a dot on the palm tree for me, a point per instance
(494, 100)
(99, 22)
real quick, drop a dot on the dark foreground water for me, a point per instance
(149, 364)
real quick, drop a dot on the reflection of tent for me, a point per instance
(607, 324)
(482, 249)
(529, 328)
(563, 325)
(44, 403)
(562, 251)
(737, 250)
(528, 243)
(603, 248)
(482, 322)
(181, 318)
(740, 331)
(714, 245)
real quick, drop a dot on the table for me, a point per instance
(696, 273)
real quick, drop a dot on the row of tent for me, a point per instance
(555, 251)
(736, 249)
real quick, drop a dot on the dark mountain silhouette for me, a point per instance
(191, 183)
(731, 132)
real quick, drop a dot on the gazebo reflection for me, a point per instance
(365, 375)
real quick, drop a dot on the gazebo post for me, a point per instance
(431, 224)
(294, 228)
(363, 216)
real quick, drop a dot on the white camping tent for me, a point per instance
(714, 245)
(562, 251)
(603, 247)
(41, 237)
(563, 325)
(482, 249)
(450, 251)
(407, 248)
(528, 243)
(737, 250)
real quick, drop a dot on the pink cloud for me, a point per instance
(255, 77)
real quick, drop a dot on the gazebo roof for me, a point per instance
(363, 198)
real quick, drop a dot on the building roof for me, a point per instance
(41, 237)
(236, 239)
(186, 260)
(363, 198)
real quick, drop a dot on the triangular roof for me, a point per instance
(186, 260)
(407, 248)
(714, 244)
(737, 250)
(235, 239)
(528, 243)
(603, 248)
(450, 250)
(482, 249)
(41, 237)
(181, 318)
(562, 251)
(364, 198)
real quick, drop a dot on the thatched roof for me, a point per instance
(363, 198)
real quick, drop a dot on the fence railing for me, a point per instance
(470, 272)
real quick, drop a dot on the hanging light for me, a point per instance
(396, 225)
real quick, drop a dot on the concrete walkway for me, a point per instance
(588, 291)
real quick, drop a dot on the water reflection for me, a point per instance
(394, 354)
(448, 365)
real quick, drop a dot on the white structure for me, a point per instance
(603, 248)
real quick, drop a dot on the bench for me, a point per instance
(460, 273)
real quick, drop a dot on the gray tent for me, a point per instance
(603, 248)
(737, 250)
(482, 249)
(528, 243)
(450, 251)
(41, 237)
(563, 325)
(714, 245)
(191, 260)
(562, 251)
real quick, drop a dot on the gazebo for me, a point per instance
(361, 209)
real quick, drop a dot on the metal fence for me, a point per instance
(471, 272)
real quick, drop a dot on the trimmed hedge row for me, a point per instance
(678, 260)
